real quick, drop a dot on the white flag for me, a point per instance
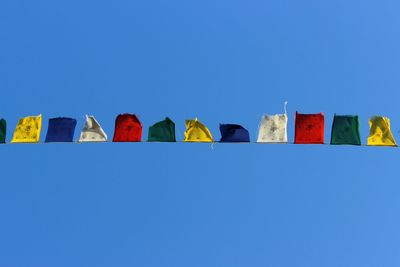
(92, 131)
(273, 128)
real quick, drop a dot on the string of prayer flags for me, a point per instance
(309, 128)
(3, 131)
(92, 131)
(128, 128)
(380, 133)
(28, 130)
(197, 132)
(345, 130)
(60, 130)
(233, 133)
(273, 128)
(162, 131)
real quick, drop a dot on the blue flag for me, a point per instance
(61, 130)
(233, 133)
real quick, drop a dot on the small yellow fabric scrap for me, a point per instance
(28, 130)
(380, 134)
(197, 132)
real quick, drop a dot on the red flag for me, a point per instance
(309, 129)
(128, 128)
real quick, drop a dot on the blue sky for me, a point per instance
(187, 204)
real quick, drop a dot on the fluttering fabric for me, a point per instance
(162, 131)
(128, 128)
(60, 130)
(345, 130)
(92, 131)
(233, 133)
(3, 131)
(380, 133)
(309, 128)
(273, 128)
(28, 130)
(197, 132)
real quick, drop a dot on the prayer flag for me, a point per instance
(309, 128)
(128, 128)
(233, 133)
(197, 132)
(163, 131)
(380, 133)
(3, 130)
(28, 130)
(345, 130)
(60, 130)
(92, 131)
(273, 128)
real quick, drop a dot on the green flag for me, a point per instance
(345, 130)
(3, 130)
(163, 131)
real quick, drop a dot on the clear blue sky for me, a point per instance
(187, 204)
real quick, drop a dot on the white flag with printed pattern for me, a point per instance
(92, 131)
(273, 128)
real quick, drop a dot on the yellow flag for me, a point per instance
(379, 133)
(197, 132)
(28, 130)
